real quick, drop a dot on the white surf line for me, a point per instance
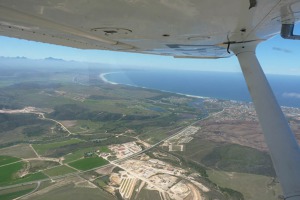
(102, 77)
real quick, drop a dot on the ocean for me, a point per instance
(220, 85)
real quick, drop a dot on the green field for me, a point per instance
(77, 154)
(104, 149)
(8, 172)
(43, 148)
(13, 195)
(8, 159)
(88, 163)
(60, 170)
(80, 153)
(9, 175)
(250, 185)
(100, 182)
(38, 165)
(30, 177)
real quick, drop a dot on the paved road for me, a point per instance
(35, 189)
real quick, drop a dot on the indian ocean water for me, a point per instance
(220, 85)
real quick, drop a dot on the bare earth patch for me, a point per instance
(245, 133)
(19, 150)
(69, 123)
(105, 170)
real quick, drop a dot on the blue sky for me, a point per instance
(277, 56)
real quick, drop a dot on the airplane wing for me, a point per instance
(190, 28)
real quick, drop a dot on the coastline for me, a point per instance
(104, 79)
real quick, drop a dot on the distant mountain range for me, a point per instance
(46, 62)
(25, 58)
(22, 62)
(55, 59)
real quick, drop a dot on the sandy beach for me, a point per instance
(102, 77)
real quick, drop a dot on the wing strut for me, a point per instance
(282, 144)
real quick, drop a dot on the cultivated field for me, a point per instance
(8, 173)
(71, 192)
(40, 165)
(43, 148)
(76, 155)
(16, 192)
(88, 163)
(148, 194)
(20, 151)
(7, 159)
(59, 170)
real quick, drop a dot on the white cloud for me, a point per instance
(291, 95)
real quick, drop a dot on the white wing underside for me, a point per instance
(189, 28)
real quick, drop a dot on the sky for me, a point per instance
(276, 55)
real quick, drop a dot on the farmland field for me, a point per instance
(9, 172)
(7, 159)
(38, 165)
(27, 178)
(60, 170)
(20, 151)
(80, 153)
(88, 163)
(70, 192)
(14, 195)
(43, 148)
(148, 194)
(16, 192)
(77, 154)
